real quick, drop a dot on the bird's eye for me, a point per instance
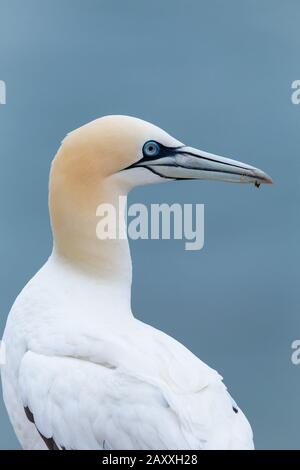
(151, 149)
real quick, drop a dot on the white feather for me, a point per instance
(92, 381)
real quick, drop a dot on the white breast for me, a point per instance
(94, 381)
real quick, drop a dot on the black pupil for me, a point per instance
(150, 148)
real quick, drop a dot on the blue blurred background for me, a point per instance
(217, 75)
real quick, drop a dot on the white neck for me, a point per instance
(96, 296)
(74, 222)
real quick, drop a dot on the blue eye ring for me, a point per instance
(151, 149)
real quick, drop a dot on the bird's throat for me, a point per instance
(74, 210)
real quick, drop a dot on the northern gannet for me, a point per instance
(81, 372)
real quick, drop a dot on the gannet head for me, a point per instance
(141, 153)
(103, 160)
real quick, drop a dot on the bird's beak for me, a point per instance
(190, 163)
